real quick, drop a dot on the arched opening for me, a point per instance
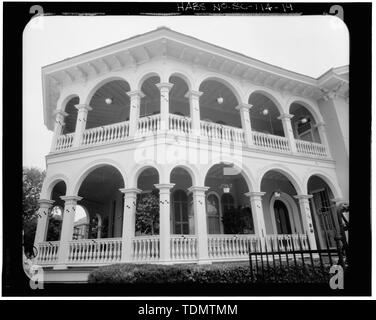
(323, 212)
(303, 124)
(110, 104)
(81, 223)
(264, 115)
(147, 207)
(101, 196)
(151, 102)
(182, 202)
(179, 103)
(227, 208)
(71, 119)
(281, 212)
(55, 219)
(218, 103)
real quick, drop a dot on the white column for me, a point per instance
(199, 209)
(164, 221)
(287, 128)
(305, 211)
(42, 226)
(66, 229)
(164, 88)
(83, 109)
(323, 137)
(257, 213)
(59, 124)
(129, 222)
(194, 110)
(246, 122)
(134, 112)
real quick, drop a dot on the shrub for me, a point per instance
(230, 273)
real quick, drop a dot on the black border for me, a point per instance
(358, 282)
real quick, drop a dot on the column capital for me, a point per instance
(135, 93)
(303, 196)
(194, 189)
(59, 112)
(164, 186)
(284, 116)
(193, 94)
(70, 199)
(164, 85)
(130, 191)
(244, 106)
(254, 194)
(45, 203)
(83, 107)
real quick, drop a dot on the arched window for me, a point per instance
(227, 202)
(81, 224)
(282, 219)
(181, 223)
(213, 215)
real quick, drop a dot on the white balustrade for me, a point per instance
(47, 252)
(106, 134)
(311, 148)
(270, 142)
(231, 246)
(179, 124)
(64, 142)
(149, 124)
(183, 247)
(145, 248)
(107, 250)
(287, 242)
(222, 132)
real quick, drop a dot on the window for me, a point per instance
(180, 207)
(282, 219)
(212, 211)
(227, 202)
(304, 131)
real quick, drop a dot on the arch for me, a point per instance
(225, 82)
(140, 168)
(88, 168)
(332, 184)
(192, 171)
(64, 101)
(187, 79)
(306, 104)
(295, 181)
(101, 82)
(238, 165)
(292, 209)
(267, 93)
(50, 183)
(146, 75)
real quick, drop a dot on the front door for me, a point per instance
(325, 216)
(181, 221)
(282, 219)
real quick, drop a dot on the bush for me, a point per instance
(231, 273)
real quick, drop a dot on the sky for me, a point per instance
(309, 45)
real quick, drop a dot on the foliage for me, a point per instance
(32, 186)
(237, 221)
(204, 274)
(147, 213)
(54, 228)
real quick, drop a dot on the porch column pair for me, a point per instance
(83, 110)
(134, 112)
(42, 226)
(66, 230)
(164, 88)
(194, 110)
(287, 128)
(307, 218)
(129, 222)
(258, 214)
(59, 124)
(199, 206)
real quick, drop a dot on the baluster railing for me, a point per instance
(106, 134)
(64, 142)
(270, 142)
(47, 252)
(145, 248)
(311, 148)
(180, 124)
(230, 246)
(183, 247)
(149, 124)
